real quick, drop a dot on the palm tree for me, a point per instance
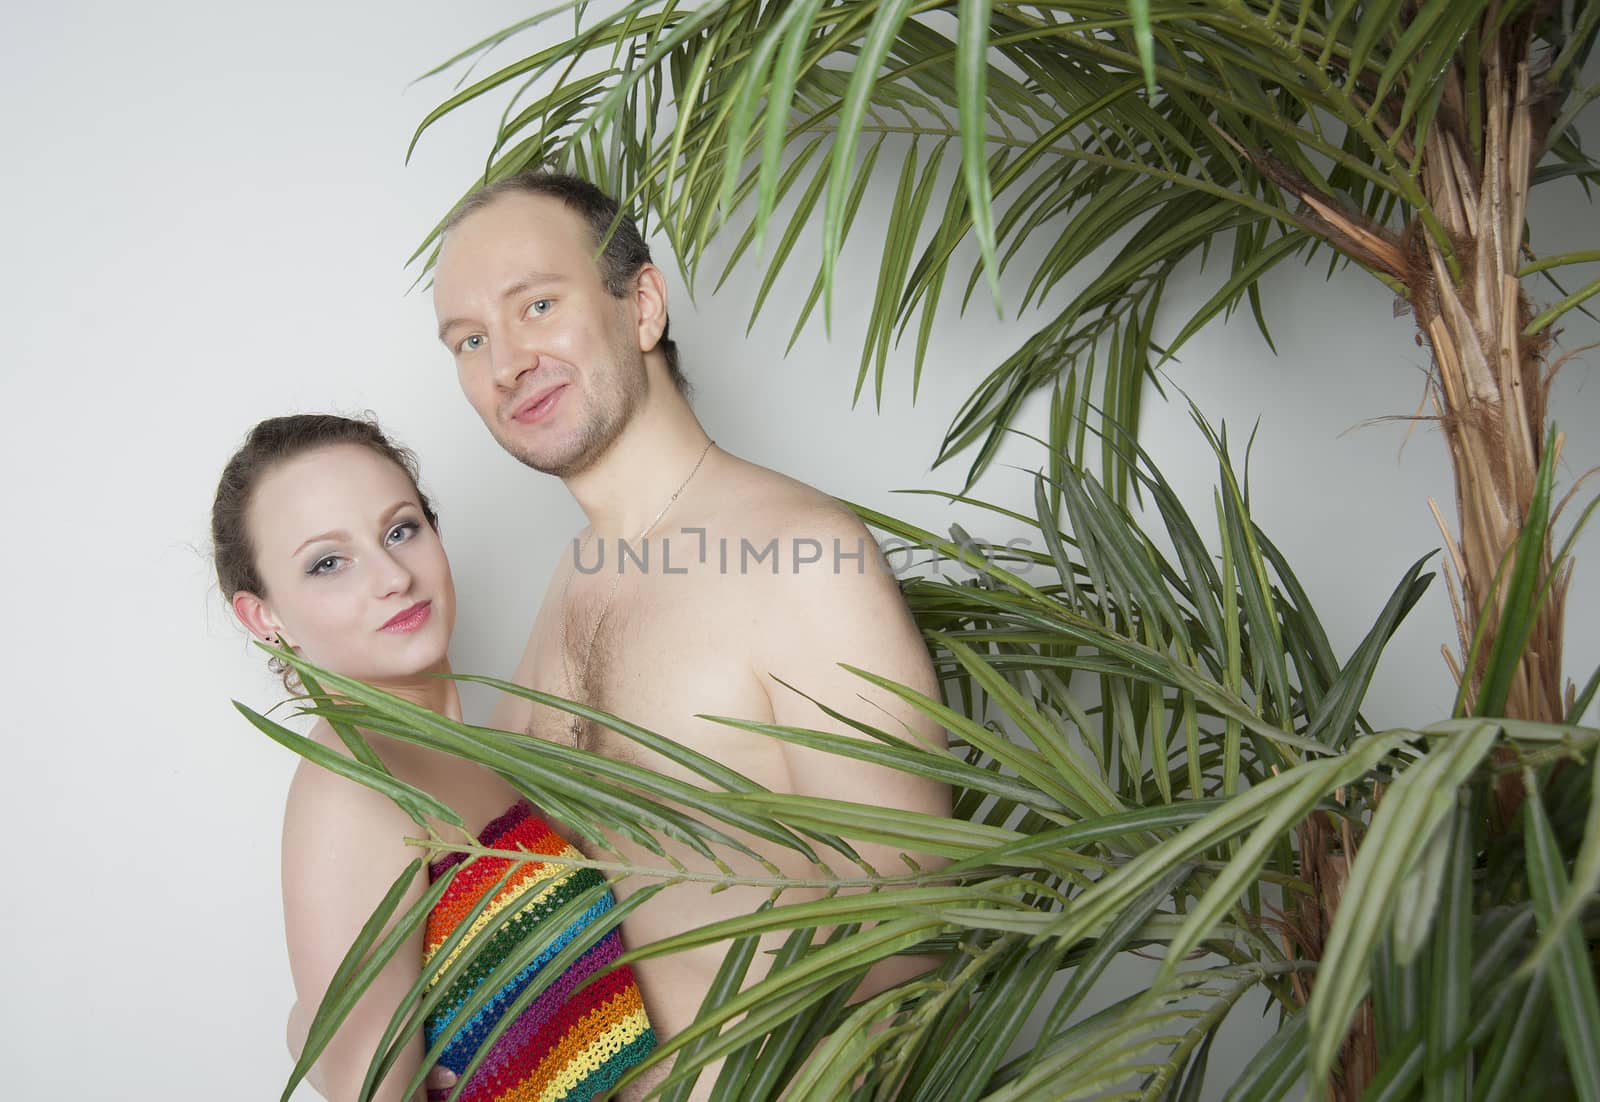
(1152, 753)
(1403, 137)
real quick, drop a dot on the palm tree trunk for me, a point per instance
(1490, 384)
(1490, 387)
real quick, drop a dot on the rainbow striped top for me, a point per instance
(564, 1045)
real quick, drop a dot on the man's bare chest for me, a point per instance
(664, 652)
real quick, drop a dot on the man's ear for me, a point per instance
(650, 299)
(255, 615)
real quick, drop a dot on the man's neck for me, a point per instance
(626, 488)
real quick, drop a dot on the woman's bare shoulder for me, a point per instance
(330, 812)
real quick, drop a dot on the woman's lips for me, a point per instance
(409, 620)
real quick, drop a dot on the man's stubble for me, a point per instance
(613, 404)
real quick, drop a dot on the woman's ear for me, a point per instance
(254, 614)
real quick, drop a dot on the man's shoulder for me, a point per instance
(768, 503)
(783, 534)
(803, 586)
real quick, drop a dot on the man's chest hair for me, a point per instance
(659, 679)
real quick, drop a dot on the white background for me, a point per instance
(207, 219)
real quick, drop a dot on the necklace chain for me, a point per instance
(575, 729)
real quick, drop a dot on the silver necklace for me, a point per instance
(575, 728)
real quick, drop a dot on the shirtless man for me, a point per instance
(753, 577)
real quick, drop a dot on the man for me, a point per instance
(753, 578)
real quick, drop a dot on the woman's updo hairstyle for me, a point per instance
(278, 440)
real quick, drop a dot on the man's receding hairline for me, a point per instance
(480, 204)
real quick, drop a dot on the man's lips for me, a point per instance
(538, 407)
(410, 619)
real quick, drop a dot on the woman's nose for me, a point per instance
(392, 576)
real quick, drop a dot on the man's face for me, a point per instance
(549, 359)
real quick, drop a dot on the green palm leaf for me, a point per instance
(1133, 773)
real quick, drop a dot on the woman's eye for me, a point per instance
(539, 307)
(471, 344)
(324, 566)
(402, 532)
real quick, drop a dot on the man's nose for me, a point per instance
(510, 358)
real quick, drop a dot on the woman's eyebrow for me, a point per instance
(337, 534)
(341, 534)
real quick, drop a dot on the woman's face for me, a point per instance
(355, 577)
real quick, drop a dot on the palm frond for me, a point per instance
(1182, 122)
(1130, 776)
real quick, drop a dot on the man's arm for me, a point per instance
(847, 610)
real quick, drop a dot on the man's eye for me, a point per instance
(539, 307)
(471, 344)
(402, 532)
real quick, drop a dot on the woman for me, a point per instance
(324, 543)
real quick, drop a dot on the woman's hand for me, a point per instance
(440, 1080)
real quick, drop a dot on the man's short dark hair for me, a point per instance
(625, 250)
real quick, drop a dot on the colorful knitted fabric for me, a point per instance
(563, 1045)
